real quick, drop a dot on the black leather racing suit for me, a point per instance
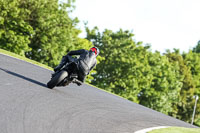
(86, 62)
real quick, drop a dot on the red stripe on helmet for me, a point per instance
(94, 50)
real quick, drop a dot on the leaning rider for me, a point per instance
(86, 61)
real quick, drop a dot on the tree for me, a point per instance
(186, 101)
(197, 48)
(119, 53)
(55, 32)
(192, 61)
(164, 85)
(15, 32)
(132, 71)
(39, 29)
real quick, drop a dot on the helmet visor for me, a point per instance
(94, 50)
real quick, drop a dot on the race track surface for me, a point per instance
(28, 106)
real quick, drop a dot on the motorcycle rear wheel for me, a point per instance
(57, 79)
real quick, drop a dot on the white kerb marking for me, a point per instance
(150, 129)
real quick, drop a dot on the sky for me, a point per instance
(164, 24)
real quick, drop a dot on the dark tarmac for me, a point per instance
(28, 106)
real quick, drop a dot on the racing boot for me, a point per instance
(78, 82)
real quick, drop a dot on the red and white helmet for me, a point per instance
(95, 50)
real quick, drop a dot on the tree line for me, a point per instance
(43, 30)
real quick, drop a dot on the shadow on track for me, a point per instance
(23, 77)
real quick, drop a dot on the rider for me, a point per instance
(86, 62)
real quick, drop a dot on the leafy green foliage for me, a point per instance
(112, 70)
(186, 101)
(197, 48)
(164, 86)
(55, 32)
(132, 71)
(15, 32)
(192, 60)
(39, 29)
(166, 83)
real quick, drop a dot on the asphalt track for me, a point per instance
(28, 106)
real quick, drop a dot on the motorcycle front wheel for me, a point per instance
(57, 79)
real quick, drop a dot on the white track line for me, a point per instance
(150, 129)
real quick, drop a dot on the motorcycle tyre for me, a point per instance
(57, 79)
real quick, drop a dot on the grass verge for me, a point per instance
(176, 130)
(25, 59)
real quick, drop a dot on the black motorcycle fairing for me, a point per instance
(71, 67)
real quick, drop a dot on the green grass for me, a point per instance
(24, 58)
(176, 130)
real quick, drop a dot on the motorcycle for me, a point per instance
(66, 75)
